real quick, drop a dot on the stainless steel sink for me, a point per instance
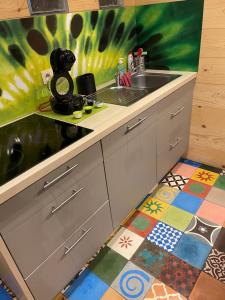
(141, 86)
(151, 80)
(121, 95)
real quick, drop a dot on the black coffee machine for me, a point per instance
(61, 85)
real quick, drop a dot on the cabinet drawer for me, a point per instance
(171, 153)
(92, 193)
(119, 138)
(52, 276)
(22, 206)
(32, 241)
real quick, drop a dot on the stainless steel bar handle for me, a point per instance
(141, 120)
(172, 146)
(74, 194)
(68, 249)
(48, 184)
(173, 115)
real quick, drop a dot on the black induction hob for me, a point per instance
(28, 141)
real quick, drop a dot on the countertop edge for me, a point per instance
(124, 115)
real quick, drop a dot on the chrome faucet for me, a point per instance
(140, 61)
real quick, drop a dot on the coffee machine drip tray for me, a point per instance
(29, 141)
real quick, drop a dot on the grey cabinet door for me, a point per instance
(130, 163)
(173, 129)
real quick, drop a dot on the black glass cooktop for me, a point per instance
(28, 141)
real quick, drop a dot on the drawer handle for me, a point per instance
(130, 128)
(48, 184)
(172, 146)
(85, 232)
(173, 115)
(74, 194)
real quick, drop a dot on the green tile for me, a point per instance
(177, 218)
(220, 183)
(107, 265)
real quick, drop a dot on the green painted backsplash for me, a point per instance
(170, 32)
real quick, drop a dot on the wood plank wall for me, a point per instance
(207, 142)
(11, 9)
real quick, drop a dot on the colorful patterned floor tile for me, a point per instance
(161, 291)
(132, 282)
(212, 212)
(175, 181)
(150, 258)
(192, 250)
(210, 168)
(183, 216)
(215, 265)
(220, 241)
(164, 236)
(205, 176)
(187, 202)
(108, 265)
(203, 230)
(140, 224)
(222, 173)
(154, 208)
(184, 170)
(177, 218)
(179, 275)
(220, 182)
(190, 162)
(4, 295)
(208, 288)
(216, 196)
(165, 193)
(111, 295)
(197, 189)
(125, 242)
(88, 286)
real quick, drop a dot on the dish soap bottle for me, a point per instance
(130, 63)
(121, 70)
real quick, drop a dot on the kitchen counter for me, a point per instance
(103, 123)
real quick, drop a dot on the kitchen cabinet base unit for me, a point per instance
(55, 273)
(140, 153)
(35, 222)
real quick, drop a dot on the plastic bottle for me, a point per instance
(121, 67)
(130, 62)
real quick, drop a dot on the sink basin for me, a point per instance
(151, 80)
(141, 86)
(121, 95)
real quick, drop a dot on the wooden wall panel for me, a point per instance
(146, 2)
(11, 9)
(80, 5)
(207, 143)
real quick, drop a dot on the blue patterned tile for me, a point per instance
(150, 258)
(164, 236)
(88, 286)
(4, 295)
(192, 250)
(187, 202)
(132, 282)
(190, 162)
